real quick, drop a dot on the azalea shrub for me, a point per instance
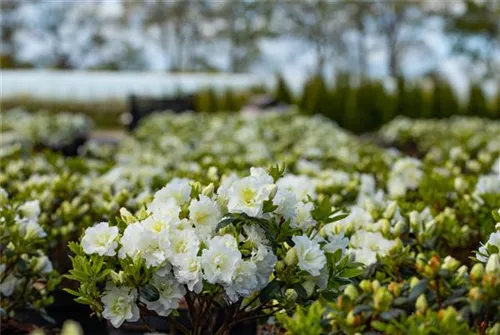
(173, 191)
(27, 277)
(416, 291)
(246, 249)
(27, 131)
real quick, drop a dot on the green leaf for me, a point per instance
(378, 325)
(269, 291)
(301, 291)
(225, 222)
(418, 289)
(351, 272)
(70, 291)
(391, 314)
(149, 292)
(360, 309)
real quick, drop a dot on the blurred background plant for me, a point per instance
(359, 63)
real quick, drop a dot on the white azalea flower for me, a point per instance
(178, 189)
(120, 305)
(219, 261)
(366, 245)
(153, 247)
(30, 229)
(43, 265)
(9, 284)
(247, 195)
(358, 218)
(336, 242)
(205, 215)
(311, 258)
(189, 272)
(265, 260)
(171, 292)
(488, 184)
(286, 202)
(244, 281)
(303, 218)
(30, 210)
(165, 209)
(494, 240)
(100, 239)
(405, 175)
(183, 243)
(301, 186)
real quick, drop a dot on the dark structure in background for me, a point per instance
(139, 107)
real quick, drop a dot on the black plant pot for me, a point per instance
(161, 325)
(65, 308)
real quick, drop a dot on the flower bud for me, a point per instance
(400, 228)
(352, 320)
(450, 264)
(280, 266)
(460, 184)
(291, 295)
(126, 216)
(477, 271)
(71, 327)
(421, 303)
(449, 314)
(473, 165)
(386, 226)
(395, 288)
(370, 208)
(493, 264)
(351, 291)
(212, 173)
(117, 277)
(366, 286)
(462, 271)
(273, 190)
(382, 299)
(291, 257)
(413, 282)
(430, 227)
(208, 190)
(475, 294)
(390, 210)
(375, 285)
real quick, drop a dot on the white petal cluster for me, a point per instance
(405, 175)
(100, 239)
(179, 240)
(120, 305)
(367, 245)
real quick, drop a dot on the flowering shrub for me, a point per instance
(246, 250)
(41, 129)
(414, 292)
(389, 217)
(26, 273)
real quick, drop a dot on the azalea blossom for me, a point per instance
(100, 239)
(120, 305)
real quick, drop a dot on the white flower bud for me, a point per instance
(493, 265)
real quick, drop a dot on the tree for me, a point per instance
(399, 24)
(176, 27)
(243, 25)
(320, 24)
(476, 31)
(477, 105)
(283, 92)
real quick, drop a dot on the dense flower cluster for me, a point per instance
(202, 228)
(41, 130)
(233, 242)
(26, 273)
